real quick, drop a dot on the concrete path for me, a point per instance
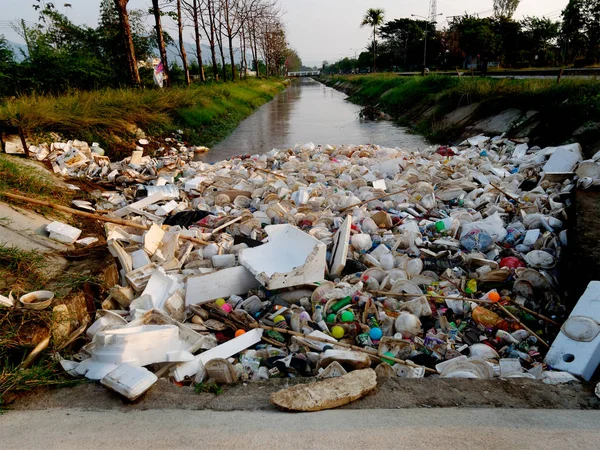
(27, 230)
(445, 429)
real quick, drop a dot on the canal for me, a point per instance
(309, 111)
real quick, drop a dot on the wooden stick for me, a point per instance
(506, 193)
(371, 352)
(225, 225)
(35, 353)
(272, 173)
(76, 212)
(507, 312)
(375, 198)
(401, 294)
(533, 313)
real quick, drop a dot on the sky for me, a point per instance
(319, 30)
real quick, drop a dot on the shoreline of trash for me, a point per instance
(331, 261)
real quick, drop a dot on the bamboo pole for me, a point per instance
(76, 212)
(371, 352)
(272, 173)
(374, 198)
(225, 225)
(507, 312)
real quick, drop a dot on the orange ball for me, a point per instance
(238, 333)
(494, 296)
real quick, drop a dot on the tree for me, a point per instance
(540, 36)
(581, 29)
(127, 37)
(373, 18)
(162, 48)
(505, 8)
(186, 69)
(193, 10)
(293, 63)
(477, 37)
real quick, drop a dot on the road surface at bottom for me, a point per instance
(367, 429)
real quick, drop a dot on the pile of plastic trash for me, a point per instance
(317, 261)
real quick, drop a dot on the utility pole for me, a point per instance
(433, 15)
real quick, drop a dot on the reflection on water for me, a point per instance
(309, 111)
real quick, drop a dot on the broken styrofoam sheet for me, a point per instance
(62, 232)
(563, 159)
(221, 284)
(130, 381)
(229, 348)
(341, 241)
(576, 349)
(159, 288)
(289, 258)
(153, 238)
(138, 346)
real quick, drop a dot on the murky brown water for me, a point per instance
(309, 111)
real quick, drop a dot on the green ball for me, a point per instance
(330, 318)
(389, 361)
(347, 316)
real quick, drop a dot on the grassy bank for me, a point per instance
(205, 113)
(425, 103)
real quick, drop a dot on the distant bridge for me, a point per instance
(310, 73)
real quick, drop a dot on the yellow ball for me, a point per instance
(220, 301)
(337, 332)
(278, 319)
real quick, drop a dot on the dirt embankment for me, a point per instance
(446, 109)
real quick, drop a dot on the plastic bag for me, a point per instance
(493, 226)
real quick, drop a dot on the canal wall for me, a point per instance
(446, 109)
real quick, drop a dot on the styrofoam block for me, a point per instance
(129, 381)
(139, 259)
(290, 258)
(167, 208)
(574, 356)
(563, 159)
(341, 241)
(194, 183)
(160, 287)
(153, 238)
(138, 278)
(229, 348)
(138, 346)
(62, 232)
(224, 283)
(379, 184)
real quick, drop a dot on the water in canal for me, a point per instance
(309, 111)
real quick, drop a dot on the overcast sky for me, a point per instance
(318, 29)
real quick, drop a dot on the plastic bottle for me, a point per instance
(487, 318)
(443, 225)
(339, 305)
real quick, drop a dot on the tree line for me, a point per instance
(469, 41)
(119, 51)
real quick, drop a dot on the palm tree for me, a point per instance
(373, 18)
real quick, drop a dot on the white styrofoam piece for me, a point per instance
(341, 241)
(224, 283)
(62, 232)
(138, 346)
(152, 239)
(138, 278)
(531, 236)
(193, 183)
(139, 259)
(229, 348)
(563, 159)
(160, 287)
(167, 208)
(129, 381)
(379, 184)
(151, 199)
(579, 358)
(290, 258)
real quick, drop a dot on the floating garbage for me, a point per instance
(332, 261)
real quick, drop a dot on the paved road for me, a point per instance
(449, 428)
